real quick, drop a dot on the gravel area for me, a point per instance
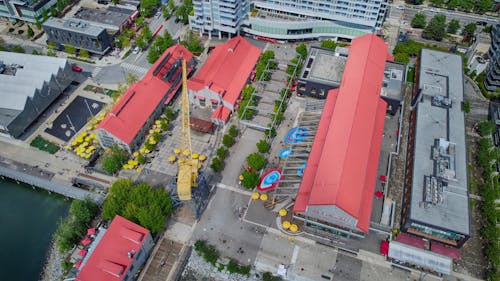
(52, 269)
(199, 270)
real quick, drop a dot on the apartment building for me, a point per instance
(219, 17)
(492, 81)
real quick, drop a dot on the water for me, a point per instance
(28, 218)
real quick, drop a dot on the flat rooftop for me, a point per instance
(324, 66)
(439, 194)
(109, 18)
(75, 25)
(394, 75)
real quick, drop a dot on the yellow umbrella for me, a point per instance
(130, 162)
(142, 150)
(202, 157)
(195, 155)
(286, 224)
(88, 150)
(135, 154)
(67, 147)
(87, 156)
(263, 197)
(124, 166)
(139, 169)
(171, 158)
(199, 166)
(73, 143)
(85, 143)
(79, 139)
(93, 135)
(147, 151)
(136, 162)
(151, 131)
(283, 212)
(157, 122)
(90, 127)
(84, 133)
(294, 228)
(87, 139)
(255, 195)
(186, 152)
(152, 142)
(157, 130)
(177, 151)
(241, 177)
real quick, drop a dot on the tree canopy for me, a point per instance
(250, 179)
(263, 146)
(192, 42)
(418, 20)
(468, 32)
(453, 26)
(160, 44)
(256, 161)
(114, 159)
(138, 203)
(328, 44)
(436, 28)
(184, 10)
(302, 50)
(147, 7)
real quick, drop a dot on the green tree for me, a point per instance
(227, 141)
(192, 42)
(160, 44)
(84, 210)
(402, 57)
(146, 33)
(233, 131)
(436, 28)
(60, 5)
(418, 20)
(130, 79)
(301, 49)
(222, 153)
(45, 14)
(138, 203)
(486, 128)
(256, 161)
(141, 42)
(38, 24)
(84, 53)
(466, 106)
(415, 2)
(115, 2)
(141, 159)
(263, 146)
(53, 11)
(184, 10)
(169, 114)
(216, 164)
(70, 49)
(268, 276)
(468, 32)
(114, 159)
(51, 45)
(30, 31)
(139, 21)
(250, 179)
(453, 26)
(35, 52)
(171, 5)
(481, 6)
(328, 44)
(146, 7)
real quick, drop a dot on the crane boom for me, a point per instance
(188, 167)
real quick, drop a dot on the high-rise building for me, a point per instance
(492, 81)
(301, 19)
(219, 16)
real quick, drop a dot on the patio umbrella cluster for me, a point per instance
(84, 251)
(84, 145)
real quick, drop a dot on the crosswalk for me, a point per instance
(134, 69)
(96, 71)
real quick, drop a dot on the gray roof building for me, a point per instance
(113, 19)
(29, 85)
(436, 200)
(79, 33)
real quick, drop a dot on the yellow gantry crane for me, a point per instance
(188, 165)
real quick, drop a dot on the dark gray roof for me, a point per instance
(109, 19)
(75, 25)
(439, 194)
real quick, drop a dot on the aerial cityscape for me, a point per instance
(249, 140)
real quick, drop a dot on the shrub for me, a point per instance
(227, 141)
(222, 153)
(20, 31)
(11, 29)
(207, 251)
(234, 267)
(216, 164)
(114, 159)
(268, 276)
(250, 179)
(486, 128)
(256, 161)
(263, 146)
(233, 131)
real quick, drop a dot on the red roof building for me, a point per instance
(123, 248)
(126, 123)
(341, 172)
(219, 82)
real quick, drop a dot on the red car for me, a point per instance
(76, 68)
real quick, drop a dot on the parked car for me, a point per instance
(136, 50)
(76, 68)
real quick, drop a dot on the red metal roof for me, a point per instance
(136, 105)
(222, 113)
(342, 167)
(227, 69)
(109, 260)
(410, 240)
(446, 251)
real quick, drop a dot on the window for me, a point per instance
(322, 92)
(314, 91)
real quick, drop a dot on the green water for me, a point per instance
(28, 218)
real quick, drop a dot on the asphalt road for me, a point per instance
(407, 13)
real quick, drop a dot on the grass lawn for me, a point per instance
(44, 145)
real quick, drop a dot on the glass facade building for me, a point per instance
(492, 81)
(24, 10)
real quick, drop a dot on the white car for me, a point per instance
(136, 50)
